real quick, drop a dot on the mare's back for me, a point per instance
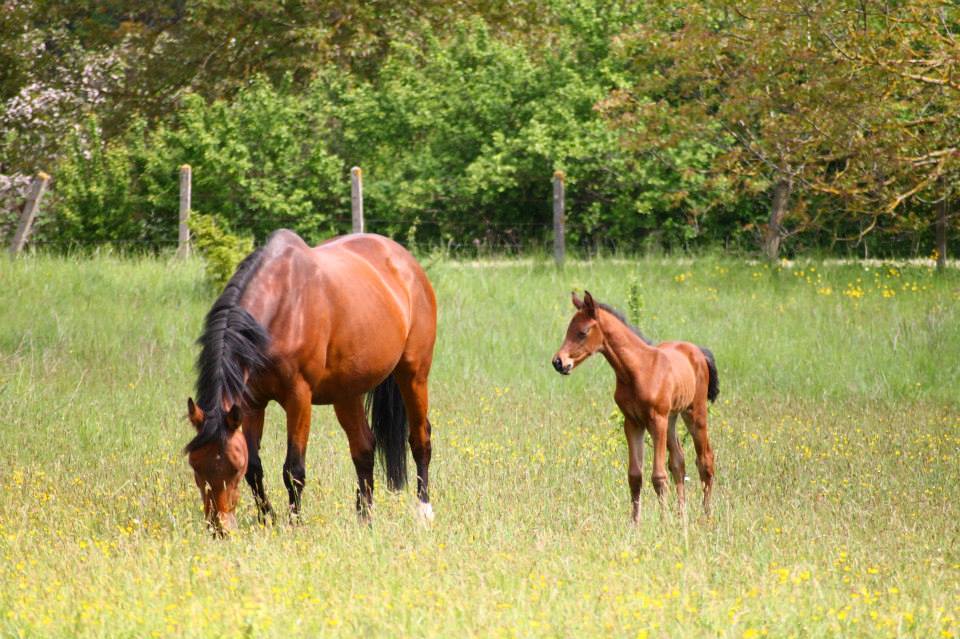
(389, 260)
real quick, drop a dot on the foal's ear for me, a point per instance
(195, 413)
(233, 418)
(577, 302)
(589, 305)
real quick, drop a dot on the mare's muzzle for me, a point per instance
(559, 366)
(222, 524)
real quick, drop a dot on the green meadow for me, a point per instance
(837, 438)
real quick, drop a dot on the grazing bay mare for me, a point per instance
(354, 316)
(654, 385)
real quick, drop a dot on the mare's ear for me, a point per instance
(233, 418)
(195, 413)
(577, 302)
(589, 305)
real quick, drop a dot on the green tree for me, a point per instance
(838, 111)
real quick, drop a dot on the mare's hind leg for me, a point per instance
(413, 389)
(696, 421)
(353, 419)
(634, 433)
(297, 406)
(252, 432)
(677, 467)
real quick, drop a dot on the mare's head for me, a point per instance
(584, 337)
(218, 455)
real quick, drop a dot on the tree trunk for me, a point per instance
(942, 234)
(778, 210)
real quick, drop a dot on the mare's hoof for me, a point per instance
(295, 518)
(424, 511)
(365, 516)
(267, 517)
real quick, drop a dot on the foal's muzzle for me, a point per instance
(560, 368)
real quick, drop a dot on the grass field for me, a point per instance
(837, 434)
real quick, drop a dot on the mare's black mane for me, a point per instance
(232, 345)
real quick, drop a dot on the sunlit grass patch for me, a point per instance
(837, 434)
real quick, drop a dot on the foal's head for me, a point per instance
(584, 337)
(218, 455)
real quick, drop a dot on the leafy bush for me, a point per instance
(458, 135)
(261, 161)
(221, 250)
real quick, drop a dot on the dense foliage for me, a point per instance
(789, 125)
(221, 250)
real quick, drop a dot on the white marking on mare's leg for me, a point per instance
(424, 511)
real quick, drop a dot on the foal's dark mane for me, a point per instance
(620, 316)
(713, 386)
(233, 344)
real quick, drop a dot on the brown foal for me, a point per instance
(654, 385)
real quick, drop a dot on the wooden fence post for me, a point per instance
(559, 209)
(37, 189)
(356, 198)
(183, 238)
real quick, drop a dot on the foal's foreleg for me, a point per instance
(634, 433)
(658, 432)
(353, 419)
(252, 432)
(675, 462)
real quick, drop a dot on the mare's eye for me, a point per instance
(582, 334)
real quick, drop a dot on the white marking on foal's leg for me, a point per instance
(424, 511)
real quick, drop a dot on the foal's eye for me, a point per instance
(582, 334)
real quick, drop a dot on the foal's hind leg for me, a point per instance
(696, 421)
(252, 432)
(353, 419)
(413, 389)
(677, 467)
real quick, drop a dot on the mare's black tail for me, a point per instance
(389, 423)
(713, 386)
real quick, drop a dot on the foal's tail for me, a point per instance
(713, 386)
(389, 423)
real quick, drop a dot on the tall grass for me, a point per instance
(837, 434)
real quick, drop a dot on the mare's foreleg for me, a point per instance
(634, 433)
(252, 432)
(353, 420)
(297, 406)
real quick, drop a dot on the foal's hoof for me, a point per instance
(425, 511)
